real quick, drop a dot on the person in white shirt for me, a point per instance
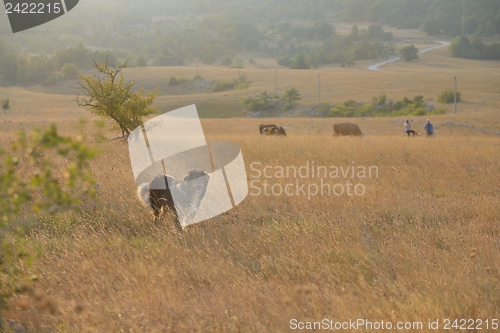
(408, 130)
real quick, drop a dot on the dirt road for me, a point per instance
(375, 66)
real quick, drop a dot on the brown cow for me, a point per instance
(271, 130)
(346, 129)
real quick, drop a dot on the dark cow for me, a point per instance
(271, 130)
(166, 193)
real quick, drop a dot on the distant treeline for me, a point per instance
(357, 45)
(19, 67)
(167, 32)
(462, 47)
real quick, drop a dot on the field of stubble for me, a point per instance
(422, 242)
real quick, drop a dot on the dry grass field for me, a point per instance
(421, 243)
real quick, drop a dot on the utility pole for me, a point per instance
(177, 63)
(276, 80)
(455, 97)
(463, 17)
(319, 89)
(197, 69)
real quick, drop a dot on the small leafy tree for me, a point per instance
(108, 96)
(262, 102)
(5, 103)
(70, 71)
(291, 96)
(409, 52)
(227, 61)
(448, 96)
(31, 183)
(238, 64)
(299, 61)
(242, 82)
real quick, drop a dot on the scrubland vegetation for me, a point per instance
(421, 241)
(394, 253)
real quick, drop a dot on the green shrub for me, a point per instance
(70, 71)
(439, 111)
(242, 82)
(284, 61)
(227, 61)
(448, 96)
(238, 64)
(221, 85)
(291, 96)
(343, 110)
(387, 36)
(262, 102)
(5, 104)
(31, 186)
(420, 112)
(175, 82)
(379, 107)
(324, 109)
(50, 81)
(197, 77)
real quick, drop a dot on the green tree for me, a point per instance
(5, 103)
(291, 96)
(460, 47)
(105, 56)
(111, 98)
(375, 30)
(409, 52)
(354, 34)
(448, 96)
(39, 68)
(418, 101)
(431, 27)
(262, 102)
(242, 82)
(9, 65)
(492, 51)
(227, 61)
(32, 183)
(299, 61)
(78, 55)
(70, 71)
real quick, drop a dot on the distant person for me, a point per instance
(408, 130)
(429, 128)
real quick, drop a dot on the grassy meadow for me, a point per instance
(422, 243)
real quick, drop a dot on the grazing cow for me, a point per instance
(271, 130)
(346, 129)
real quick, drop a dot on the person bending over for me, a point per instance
(408, 129)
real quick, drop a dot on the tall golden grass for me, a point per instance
(422, 243)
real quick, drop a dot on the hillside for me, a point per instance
(385, 228)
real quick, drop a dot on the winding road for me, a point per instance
(375, 67)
